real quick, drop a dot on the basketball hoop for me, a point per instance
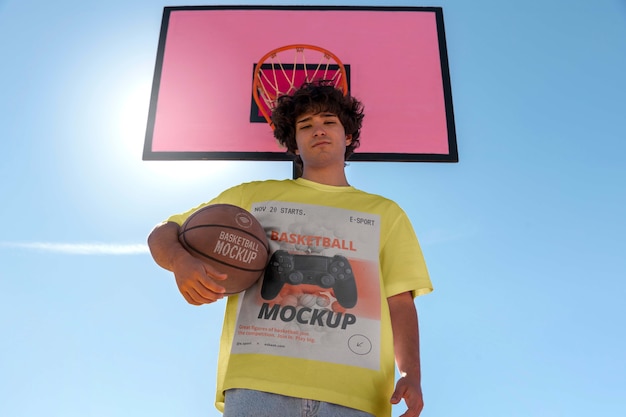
(283, 70)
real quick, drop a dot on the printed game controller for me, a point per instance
(323, 271)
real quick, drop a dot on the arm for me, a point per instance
(196, 280)
(406, 348)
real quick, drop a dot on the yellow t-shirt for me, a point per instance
(317, 325)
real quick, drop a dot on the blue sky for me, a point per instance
(524, 237)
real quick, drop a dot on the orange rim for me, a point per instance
(257, 83)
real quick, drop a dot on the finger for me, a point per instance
(209, 285)
(413, 411)
(214, 273)
(398, 394)
(205, 280)
(189, 298)
(200, 290)
(202, 296)
(414, 404)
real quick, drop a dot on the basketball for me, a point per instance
(231, 240)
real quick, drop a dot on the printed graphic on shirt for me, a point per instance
(320, 296)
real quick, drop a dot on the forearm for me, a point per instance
(165, 246)
(404, 323)
(407, 351)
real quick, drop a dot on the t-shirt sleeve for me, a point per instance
(402, 263)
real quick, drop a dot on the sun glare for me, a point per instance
(132, 122)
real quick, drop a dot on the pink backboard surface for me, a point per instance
(201, 96)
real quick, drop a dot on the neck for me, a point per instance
(326, 177)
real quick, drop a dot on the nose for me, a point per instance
(318, 129)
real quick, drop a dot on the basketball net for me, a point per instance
(283, 70)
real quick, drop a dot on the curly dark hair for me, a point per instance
(316, 98)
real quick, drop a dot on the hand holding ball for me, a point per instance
(231, 240)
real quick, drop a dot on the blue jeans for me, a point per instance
(249, 403)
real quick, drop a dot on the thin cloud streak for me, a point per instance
(80, 248)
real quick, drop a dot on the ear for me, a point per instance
(348, 140)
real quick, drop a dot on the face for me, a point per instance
(321, 139)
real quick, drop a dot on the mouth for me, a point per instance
(321, 143)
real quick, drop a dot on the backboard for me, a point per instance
(395, 59)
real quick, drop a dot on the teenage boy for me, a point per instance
(318, 334)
